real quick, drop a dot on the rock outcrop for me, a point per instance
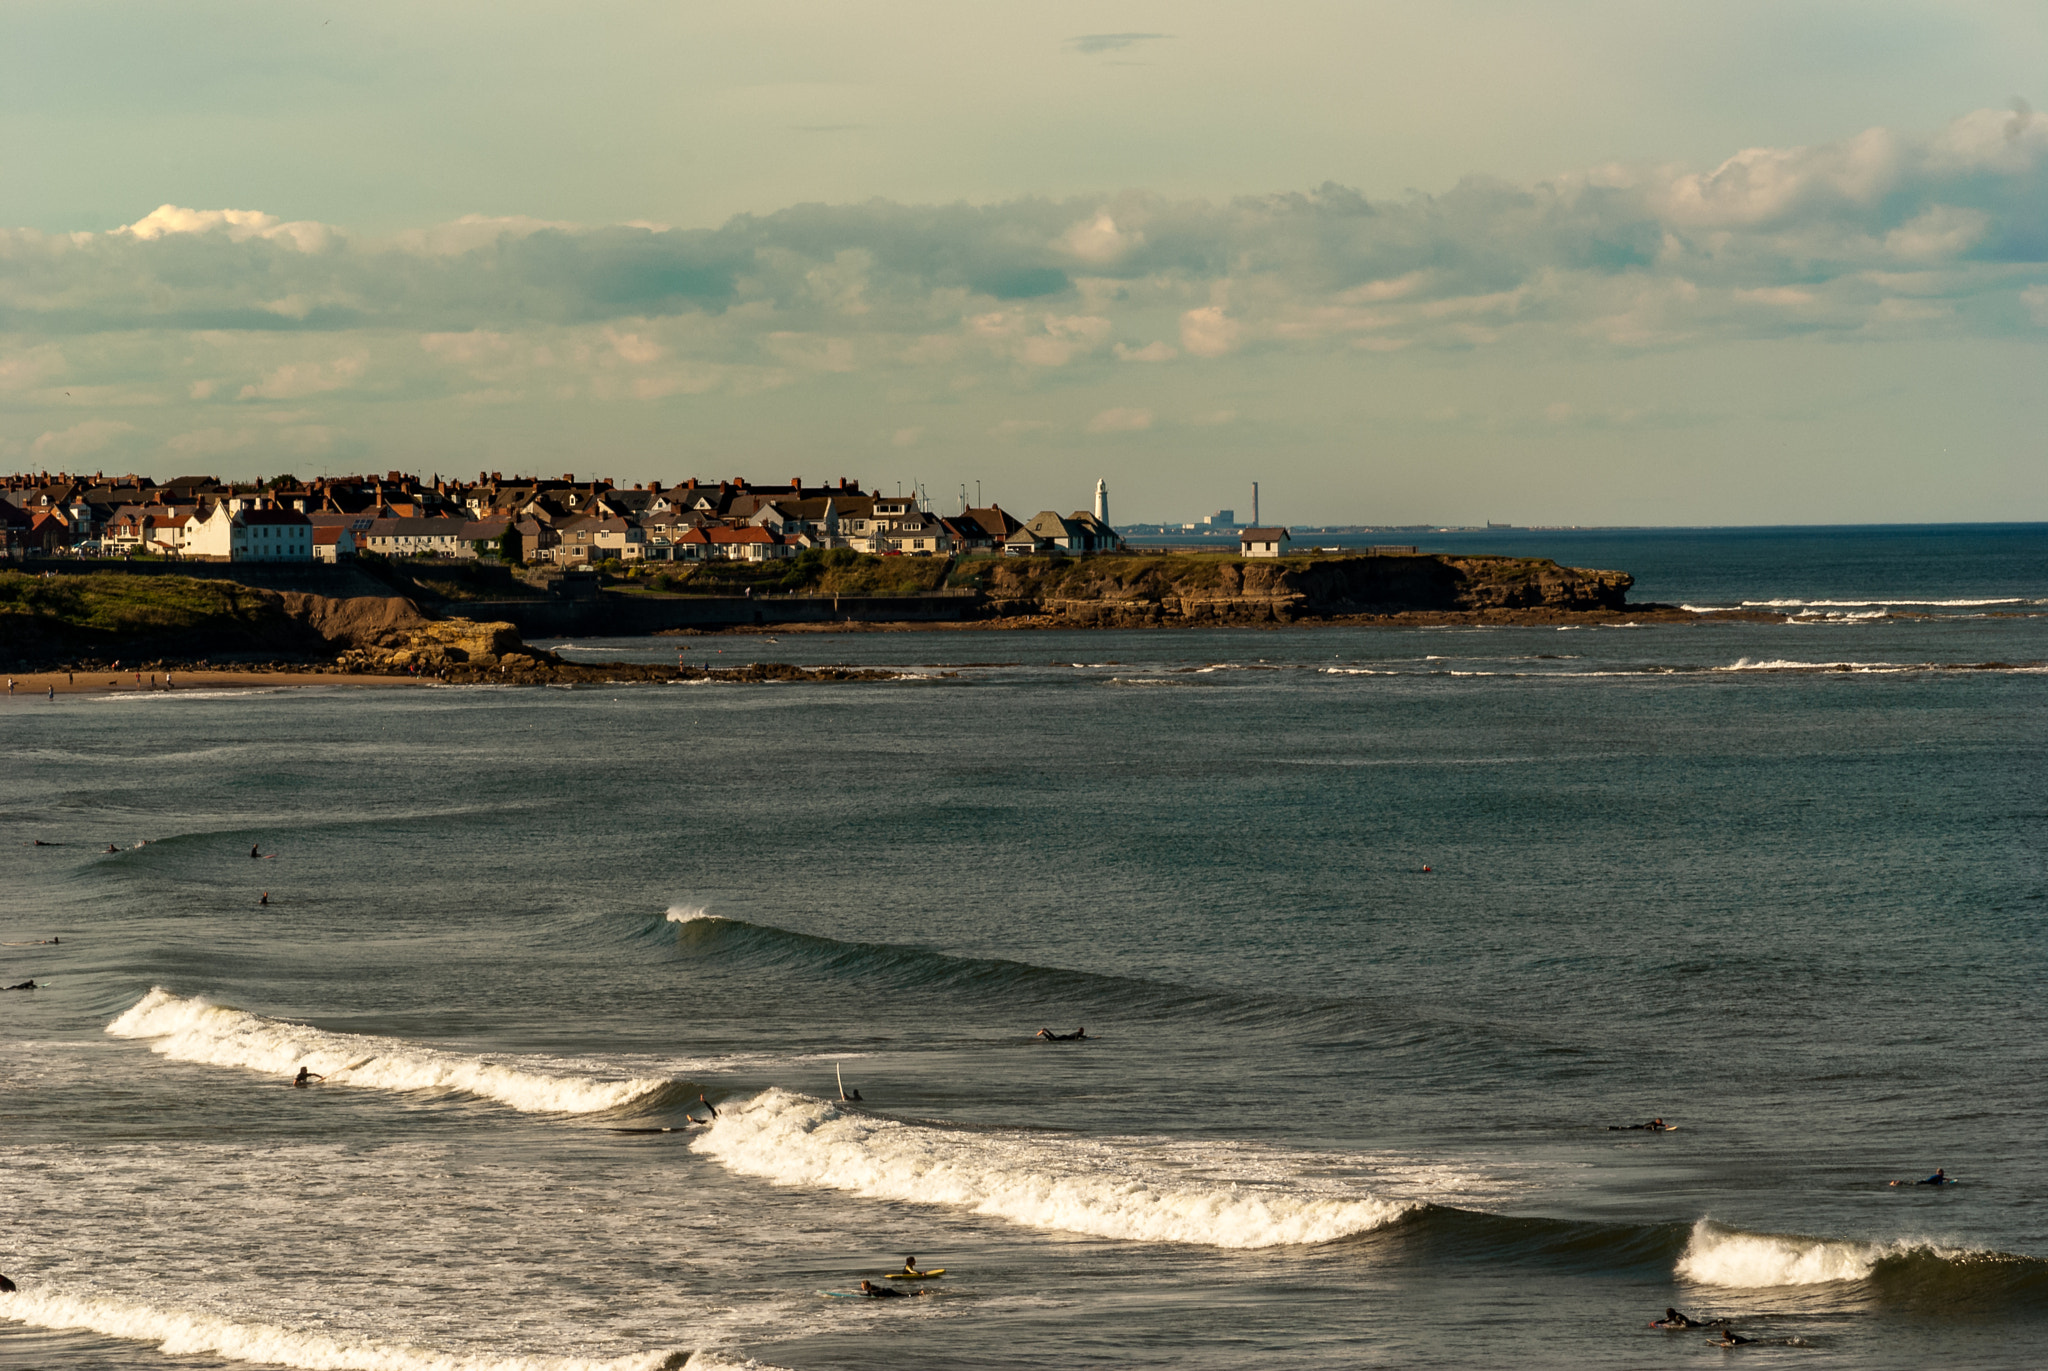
(1133, 591)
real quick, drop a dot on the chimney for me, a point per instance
(1255, 504)
(654, 486)
(796, 483)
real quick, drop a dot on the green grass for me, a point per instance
(111, 602)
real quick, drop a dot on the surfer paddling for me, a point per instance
(305, 1078)
(1078, 1035)
(1653, 1126)
(888, 1292)
(1675, 1320)
(1940, 1177)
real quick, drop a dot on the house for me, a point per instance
(412, 537)
(1263, 542)
(333, 544)
(240, 530)
(1045, 531)
(749, 544)
(591, 538)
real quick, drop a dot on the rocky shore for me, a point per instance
(105, 622)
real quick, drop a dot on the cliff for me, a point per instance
(1137, 591)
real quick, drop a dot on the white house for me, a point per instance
(333, 543)
(232, 533)
(1263, 542)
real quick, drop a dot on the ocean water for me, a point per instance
(1783, 885)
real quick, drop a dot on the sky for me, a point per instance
(1446, 262)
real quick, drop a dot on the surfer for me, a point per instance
(910, 1267)
(1940, 1177)
(1077, 1035)
(886, 1292)
(304, 1078)
(28, 984)
(253, 850)
(1729, 1339)
(7, 1287)
(265, 899)
(1673, 1319)
(707, 1104)
(1653, 1126)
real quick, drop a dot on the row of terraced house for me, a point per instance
(564, 522)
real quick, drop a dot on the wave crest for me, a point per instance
(194, 1029)
(180, 1332)
(1075, 1185)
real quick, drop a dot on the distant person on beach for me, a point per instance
(1077, 1035)
(305, 1078)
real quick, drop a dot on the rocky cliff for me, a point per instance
(1135, 591)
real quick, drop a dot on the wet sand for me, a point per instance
(34, 686)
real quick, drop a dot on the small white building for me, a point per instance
(236, 531)
(1263, 542)
(333, 544)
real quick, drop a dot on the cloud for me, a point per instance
(295, 380)
(1098, 241)
(80, 440)
(1121, 421)
(236, 224)
(1151, 352)
(1111, 42)
(1208, 331)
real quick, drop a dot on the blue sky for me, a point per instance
(1627, 262)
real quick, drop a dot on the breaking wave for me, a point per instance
(180, 1332)
(1908, 1272)
(1106, 1189)
(194, 1029)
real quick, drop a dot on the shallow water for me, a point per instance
(1782, 885)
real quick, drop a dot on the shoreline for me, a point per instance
(31, 685)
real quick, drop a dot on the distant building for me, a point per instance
(1263, 542)
(239, 530)
(333, 544)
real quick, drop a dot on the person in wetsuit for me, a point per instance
(1076, 1036)
(884, 1292)
(304, 1078)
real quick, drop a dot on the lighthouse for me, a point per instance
(1102, 502)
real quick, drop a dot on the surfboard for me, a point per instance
(915, 1275)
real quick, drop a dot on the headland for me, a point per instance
(429, 620)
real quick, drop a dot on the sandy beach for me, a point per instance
(35, 686)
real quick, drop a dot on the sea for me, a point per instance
(1381, 939)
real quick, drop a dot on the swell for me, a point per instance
(1027, 989)
(1904, 1273)
(184, 1332)
(194, 1029)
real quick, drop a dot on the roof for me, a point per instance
(1263, 535)
(272, 516)
(329, 535)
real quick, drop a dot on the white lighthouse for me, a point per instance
(1102, 502)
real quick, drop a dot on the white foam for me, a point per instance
(1728, 1257)
(1866, 604)
(1785, 664)
(179, 1332)
(688, 913)
(196, 1030)
(1110, 1189)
